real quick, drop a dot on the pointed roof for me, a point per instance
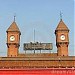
(13, 27)
(62, 26)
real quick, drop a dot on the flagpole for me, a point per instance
(34, 40)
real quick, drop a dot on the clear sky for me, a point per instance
(41, 15)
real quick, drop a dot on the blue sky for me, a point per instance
(41, 15)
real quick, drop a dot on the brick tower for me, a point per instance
(13, 40)
(62, 39)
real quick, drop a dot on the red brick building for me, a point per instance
(44, 62)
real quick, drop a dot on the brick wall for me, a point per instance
(36, 63)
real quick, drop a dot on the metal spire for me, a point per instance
(14, 17)
(60, 16)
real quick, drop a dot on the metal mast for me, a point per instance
(34, 40)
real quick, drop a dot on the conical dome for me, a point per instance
(62, 26)
(13, 27)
